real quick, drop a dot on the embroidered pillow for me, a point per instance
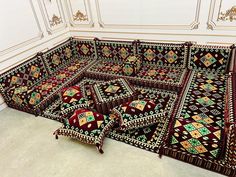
(87, 126)
(137, 113)
(131, 65)
(72, 98)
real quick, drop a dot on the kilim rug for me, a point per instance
(148, 138)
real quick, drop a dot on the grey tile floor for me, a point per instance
(28, 149)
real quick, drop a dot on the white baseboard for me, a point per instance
(3, 106)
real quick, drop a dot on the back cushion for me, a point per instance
(174, 55)
(210, 58)
(60, 55)
(28, 74)
(85, 48)
(117, 50)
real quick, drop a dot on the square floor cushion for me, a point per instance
(87, 126)
(138, 113)
(72, 99)
(109, 94)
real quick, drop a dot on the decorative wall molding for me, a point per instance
(28, 41)
(193, 25)
(230, 14)
(215, 17)
(54, 21)
(82, 16)
(64, 34)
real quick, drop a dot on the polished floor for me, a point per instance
(28, 149)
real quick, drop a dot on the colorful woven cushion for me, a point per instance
(87, 126)
(164, 54)
(131, 65)
(109, 94)
(24, 96)
(72, 98)
(197, 138)
(212, 58)
(137, 113)
(115, 50)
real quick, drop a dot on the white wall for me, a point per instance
(27, 27)
(158, 20)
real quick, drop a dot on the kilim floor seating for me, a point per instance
(200, 128)
(34, 84)
(202, 131)
(163, 65)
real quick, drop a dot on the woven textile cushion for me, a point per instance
(72, 98)
(131, 65)
(87, 126)
(109, 94)
(85, 48)
(106, 66)
(59, 56)
(115, 50)
(137, 113)
(211, 58)
(24, 96)
(203, 103)
(26, 74)
(60, 77)
(174, 55)
(197, 138)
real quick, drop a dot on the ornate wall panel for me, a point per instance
(222, 15)
(13, 26)
(79, 13)
(148, 14)
(53, 15)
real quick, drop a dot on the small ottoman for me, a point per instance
(107, 95)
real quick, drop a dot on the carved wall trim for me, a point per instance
(30, 48)
(229, 14)
(211, 24)
(28, 41)
(57, 21)
(80, 16)
(193, 25)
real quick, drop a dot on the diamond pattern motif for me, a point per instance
(150, 55)
(84, 49)
(198, 128)
(212, 58)
(171, 56)
(106, 51)
(208, 60)
(112, 89)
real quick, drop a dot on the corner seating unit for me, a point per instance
(34, 84)
(202, 125)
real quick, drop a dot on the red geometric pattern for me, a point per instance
(59, 56)
(174, 55)
(114, 50)
(199, 125)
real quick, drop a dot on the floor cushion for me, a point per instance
(131, 65)
(109, 94)
(87, 126)
(202, 105)
(72, 98)
(149, 75)
(138, 113)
